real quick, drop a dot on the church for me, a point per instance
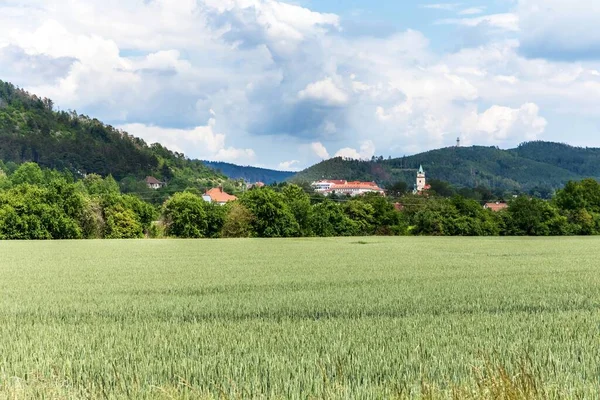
(421, 184)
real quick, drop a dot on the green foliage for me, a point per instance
(238, 222)
(328, 219)
(98, 186)
(272, 215)
(185, 216)
(215, 218)
(31, 212)
(30, 173)
(534, 217)
(298, 202)
(121, 223)
(362, 214)
(454, 217)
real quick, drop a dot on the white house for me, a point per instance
(154, 183)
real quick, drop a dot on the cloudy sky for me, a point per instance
(284, 84)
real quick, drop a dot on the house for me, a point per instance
(154, 183)
(219, 196)
(497, 206)
(352, 189)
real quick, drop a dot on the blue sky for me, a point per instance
(286, 84)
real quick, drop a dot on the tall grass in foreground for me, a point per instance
(396, 318)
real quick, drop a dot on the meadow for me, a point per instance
(373, 318)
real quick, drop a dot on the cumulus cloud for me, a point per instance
(319, 149)
(325, 92)
(288, 165)
(281, 74)
(501, 124)
(367, 150)
(201, 142)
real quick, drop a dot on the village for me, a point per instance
(327, 187)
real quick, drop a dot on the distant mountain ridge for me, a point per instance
(250, 174)
(530, 165)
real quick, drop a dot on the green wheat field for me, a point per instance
(373, 318)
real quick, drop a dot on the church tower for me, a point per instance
(421, 181)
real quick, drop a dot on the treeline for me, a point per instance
(38, 203)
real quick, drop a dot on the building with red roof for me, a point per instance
(355, 188)
(496, 207)
(219, 196)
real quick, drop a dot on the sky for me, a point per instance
(286, 84)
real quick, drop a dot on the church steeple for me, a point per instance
(421, 181)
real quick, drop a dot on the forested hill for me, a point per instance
(250, 174)
(31, 130)
(531, 165)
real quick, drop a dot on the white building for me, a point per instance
(355, 188)
(154, 183)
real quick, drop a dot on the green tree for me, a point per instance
(98, 186)
(215, 218)
(397, 189)
(185, 216)
(272, 215)
(238, 222)
(362, 214)
(328, 220)
(30, 173)
(534, 217)
(299, 203)
(121, 223)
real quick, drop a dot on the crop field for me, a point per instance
(372, 318)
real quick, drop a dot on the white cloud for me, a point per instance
(287, 165)
(506, 21)
(320, 150)
(367, 150)
(201, 142)
(503, 123)
(472, 11)
(278, 74)
(442, 6)
(324, 91)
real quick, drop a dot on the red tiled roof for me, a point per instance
(334, 182)
(219, 196)
(496, 206)
(150, 180)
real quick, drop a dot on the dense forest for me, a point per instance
(250, 174)
(533, 166)
(31, 130)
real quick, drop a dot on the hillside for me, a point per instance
(535, 164)
(30, 130)
(250, 174)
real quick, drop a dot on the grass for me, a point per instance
(301, 319)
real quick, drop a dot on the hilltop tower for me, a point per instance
(421, 180)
